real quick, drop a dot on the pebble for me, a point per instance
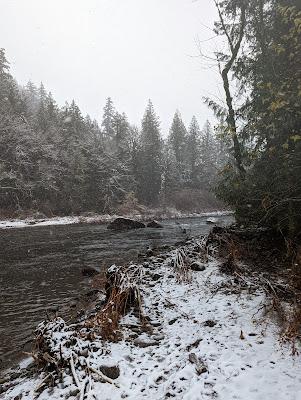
(197, 266)
(142, 344)
(210, 323)
(111, 372)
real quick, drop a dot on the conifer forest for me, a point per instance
(56, 161)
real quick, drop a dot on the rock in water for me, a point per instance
(89, 271)
(212, 220)
(154, 224)
(120, 224)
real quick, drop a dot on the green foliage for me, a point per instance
(268, 69)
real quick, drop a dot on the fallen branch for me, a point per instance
(104, 377)
(75, 377)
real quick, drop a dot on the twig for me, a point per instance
(82, 392)
(76, 379)
(104, 377)
(37, 389)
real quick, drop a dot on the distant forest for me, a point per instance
(54, 160)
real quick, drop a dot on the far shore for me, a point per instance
(105, 218)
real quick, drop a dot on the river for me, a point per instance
(40, 267)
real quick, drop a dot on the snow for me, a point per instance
(207, 316)
(212, 220)
(6, 224)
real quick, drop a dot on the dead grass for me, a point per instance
(122, 294)
(263, 260)
(181, 264)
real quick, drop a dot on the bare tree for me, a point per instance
(234, 37)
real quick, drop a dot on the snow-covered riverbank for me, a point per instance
(102, 219)
(205, 338)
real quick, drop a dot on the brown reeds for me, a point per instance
(181, 264)
(122, 293)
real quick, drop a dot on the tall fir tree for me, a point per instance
(193, 154)
(5, 79)
(150, 158)
(121, 137)
(177, 140)
(108, 124)
(171, 181)
(208, 156)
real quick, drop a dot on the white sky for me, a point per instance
(131, 50)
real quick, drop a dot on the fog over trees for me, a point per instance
(54, 160)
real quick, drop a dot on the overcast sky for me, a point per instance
(131, 50)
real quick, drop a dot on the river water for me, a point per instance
(40, 267)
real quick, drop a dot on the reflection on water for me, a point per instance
(40, 267)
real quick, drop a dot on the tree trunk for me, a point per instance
(231, 121)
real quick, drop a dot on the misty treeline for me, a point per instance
(261, 76)
(56, 161)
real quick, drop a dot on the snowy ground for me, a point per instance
(100, 219)
(208, 341)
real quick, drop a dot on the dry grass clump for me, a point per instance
(181, 264)
(263, 260)
(292, 330)
(122, 293)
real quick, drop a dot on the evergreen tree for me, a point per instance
(150, 158)
(194, 162)
(108, 121)
(208, 156)
(121, 137)
(268, 122)
(5, 79)
(31, 98)
(171, 176)
(10, 99)
(52, 110)
(177, 140)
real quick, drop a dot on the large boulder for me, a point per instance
(120, 224)
(154, 224)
